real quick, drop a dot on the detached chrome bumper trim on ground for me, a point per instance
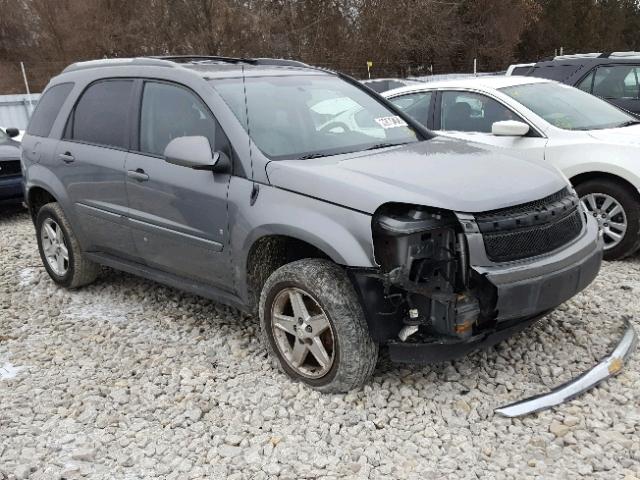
(608, 367)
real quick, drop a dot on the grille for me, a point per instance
(531, 229)
(527, 207)
(9, 168)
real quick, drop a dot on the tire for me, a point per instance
(628, 200)
(325, 288)
(77, 270)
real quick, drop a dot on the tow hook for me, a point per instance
(608, 367)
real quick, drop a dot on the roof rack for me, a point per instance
(203, 59)
(577, 55)
(115, 62)
(175, 60)
(598, 55)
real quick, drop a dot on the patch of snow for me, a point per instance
(9, 371)
(27, 276)
(108, 308)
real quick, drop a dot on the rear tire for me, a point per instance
(597, 190)
(311, 304)
(60, 251)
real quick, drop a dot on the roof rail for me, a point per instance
(281, 62)
(175, 60)
(598, 55)
(214, 58)
(577, 56)
(624, 55)
(115, 62)
(202, 58)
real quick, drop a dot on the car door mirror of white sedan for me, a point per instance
(509, 128)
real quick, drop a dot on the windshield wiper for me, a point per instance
(384, 145)
(628, 123)
(309, 156)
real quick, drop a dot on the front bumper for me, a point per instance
(11, 190)
(526, 288)
(526, 291)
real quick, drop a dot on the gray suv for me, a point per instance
(237, 180)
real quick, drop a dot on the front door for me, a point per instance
(89, 161)
(470, 116)
(178, 215)
(618, 84)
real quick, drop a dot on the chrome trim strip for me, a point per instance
(606, 368)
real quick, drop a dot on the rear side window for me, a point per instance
(169, 112)
(47, 109)
(101, 116)
(616, 81)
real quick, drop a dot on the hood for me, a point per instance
(441, 172)
(619, 136)
(9, 151)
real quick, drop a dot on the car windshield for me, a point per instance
(567, 107)
(309, 116)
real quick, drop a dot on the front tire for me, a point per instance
(314, 326)
(616, 208)
(60, 251)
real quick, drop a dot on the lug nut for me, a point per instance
(299, 321)
(309, 329)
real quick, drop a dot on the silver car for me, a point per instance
(219, 177)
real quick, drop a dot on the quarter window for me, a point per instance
(169, 112)
(471, 112)
(101, 115)
(48, 109)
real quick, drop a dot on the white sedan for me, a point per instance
(596, 145)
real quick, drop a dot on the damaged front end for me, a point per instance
(428, 302)
(425, 291)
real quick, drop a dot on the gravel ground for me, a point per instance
(129, 379)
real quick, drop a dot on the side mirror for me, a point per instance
(509, 128)
(195, 152)
(12, 132)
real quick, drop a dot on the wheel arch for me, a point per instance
(595, 175)
(37, 197)
(269, 252)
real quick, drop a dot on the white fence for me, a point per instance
(15, 110)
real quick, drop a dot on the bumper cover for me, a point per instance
(526, 292)
(609, 366)
(11, 190)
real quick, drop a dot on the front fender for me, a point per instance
(344, 235)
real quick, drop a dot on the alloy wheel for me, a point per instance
(54, 247)
(302, 332)
(611, 217)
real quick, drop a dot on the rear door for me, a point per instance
(618, 84)
(418, 105)
(470, 116)
(89, 161)
(178, 215)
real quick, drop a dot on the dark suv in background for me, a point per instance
(10, 171)
(614, 77)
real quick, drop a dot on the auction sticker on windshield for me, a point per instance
(391, 122)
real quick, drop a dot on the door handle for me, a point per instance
(138, 175)
(66, 157)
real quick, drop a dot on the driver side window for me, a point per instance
(472, 112)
